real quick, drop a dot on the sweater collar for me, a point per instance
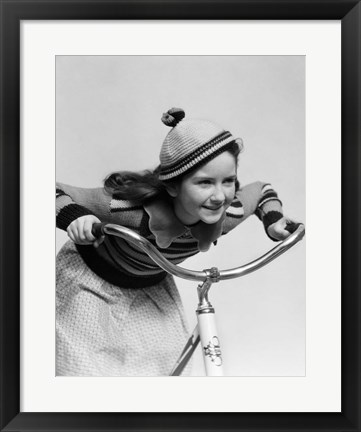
(166, 227)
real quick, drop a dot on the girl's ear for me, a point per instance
(172, 190)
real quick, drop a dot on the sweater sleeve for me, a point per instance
(67, 210)
(261, 199)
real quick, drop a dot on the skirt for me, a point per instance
(106, 330)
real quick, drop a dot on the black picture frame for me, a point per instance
(12, 12)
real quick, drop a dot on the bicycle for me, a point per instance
(205, 331)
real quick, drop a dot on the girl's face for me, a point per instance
(207, 192)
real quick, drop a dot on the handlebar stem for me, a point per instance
(203, 289)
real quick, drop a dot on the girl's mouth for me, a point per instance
(213, 208)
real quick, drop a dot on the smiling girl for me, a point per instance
(117, 313)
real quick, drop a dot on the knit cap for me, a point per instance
(190, 143)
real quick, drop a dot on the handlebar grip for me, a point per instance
(98, 230)
(291, 227)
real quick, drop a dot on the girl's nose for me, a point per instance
(218, 195)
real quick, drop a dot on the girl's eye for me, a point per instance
(205, 182)
(230, 180)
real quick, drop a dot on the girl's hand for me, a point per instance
(80, 231)
(278, 229)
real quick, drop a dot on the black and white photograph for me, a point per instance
(198, 265)
(180, 216)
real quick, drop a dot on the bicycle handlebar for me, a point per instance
(100, 229)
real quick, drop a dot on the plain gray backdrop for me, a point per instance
(108, 111)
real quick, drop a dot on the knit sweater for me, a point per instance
(124, 264)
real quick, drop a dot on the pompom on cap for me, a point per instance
(173, 116)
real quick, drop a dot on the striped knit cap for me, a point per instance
(190, 143)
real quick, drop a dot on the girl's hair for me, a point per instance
(144, 187)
